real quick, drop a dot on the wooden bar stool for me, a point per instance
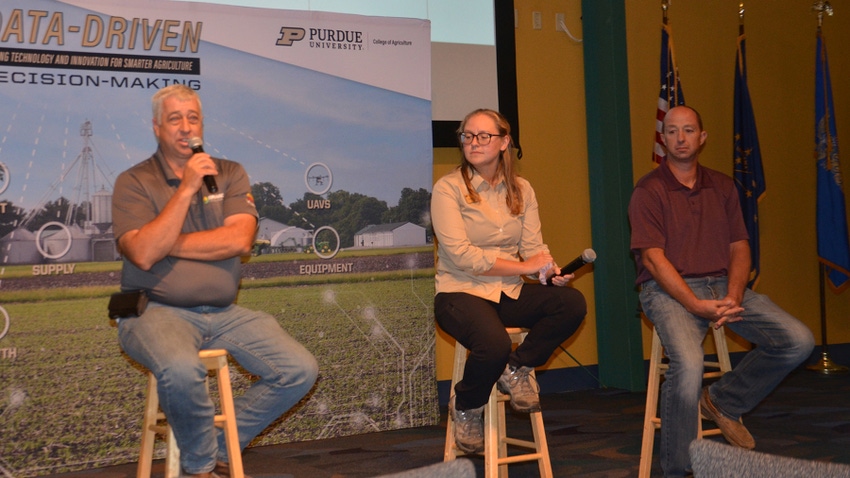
(214, 359)
(651, 421)
(496, 441)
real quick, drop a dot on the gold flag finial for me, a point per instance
(741, 18)
(665, 4)
(821, 7)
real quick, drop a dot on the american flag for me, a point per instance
(671, 89)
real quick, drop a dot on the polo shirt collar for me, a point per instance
(703, 180)
(170, 177)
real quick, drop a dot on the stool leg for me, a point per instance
(231, 433)
(216, 359)
(494, 433)
(172, 456)
(150, 428)
(148, 434)
(722, 349)
(544, 463)
(451, 452)
(723, 365)
(650, 418)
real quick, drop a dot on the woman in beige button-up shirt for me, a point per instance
(488, 235)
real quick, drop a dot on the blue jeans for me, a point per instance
(781, 344)
(166, 340)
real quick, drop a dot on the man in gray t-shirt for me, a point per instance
(182, 244)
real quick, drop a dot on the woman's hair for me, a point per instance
(506, 163)
(182, 92)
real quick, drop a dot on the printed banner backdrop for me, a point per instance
(331, 116)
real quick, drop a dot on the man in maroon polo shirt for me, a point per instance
(693, 260)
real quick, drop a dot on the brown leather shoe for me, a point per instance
(222, 469)
(734, 431)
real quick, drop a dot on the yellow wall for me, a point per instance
(780, 62)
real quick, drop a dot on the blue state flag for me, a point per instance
(747, 167)
(833, 246)
(670, 93)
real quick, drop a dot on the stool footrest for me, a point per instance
(519, 442)
(519, 458)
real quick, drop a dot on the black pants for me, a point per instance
(552, 315)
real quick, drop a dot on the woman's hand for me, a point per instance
(561, 280)
(540, 261)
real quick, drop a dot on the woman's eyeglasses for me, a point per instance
(483, 138)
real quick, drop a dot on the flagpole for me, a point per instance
(670, 92)
(825, 365)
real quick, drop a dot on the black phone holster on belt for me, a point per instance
(124, 305)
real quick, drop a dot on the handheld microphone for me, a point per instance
(586, 257)
(197, 145)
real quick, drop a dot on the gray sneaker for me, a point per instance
(522, 387)
(469, 428)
